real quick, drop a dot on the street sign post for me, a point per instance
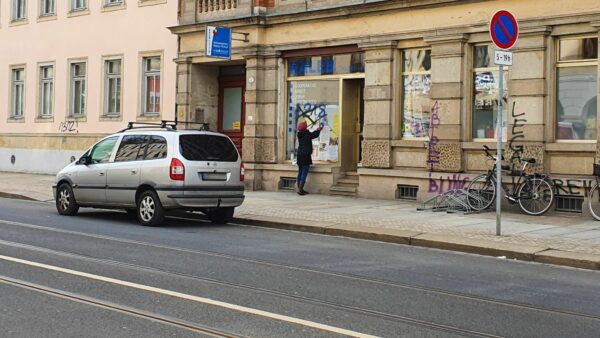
(504, 30)
(218, 42)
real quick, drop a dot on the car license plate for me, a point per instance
(214, 176)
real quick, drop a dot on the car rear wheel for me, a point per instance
(221, 215)
(149, 209)
(65, 200)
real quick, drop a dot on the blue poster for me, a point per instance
(218, 42)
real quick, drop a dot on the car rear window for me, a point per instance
(198, 147)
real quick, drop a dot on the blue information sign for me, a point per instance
(218, 42)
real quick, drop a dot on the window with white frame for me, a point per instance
(486, 89)
(112, 2)
(17, 92)
(577, 88)
(112, 87)
(46, 91)
(151, 81)
(78, 5)
(416, 104)
(78, 89)
(47, 7)
(18, 10)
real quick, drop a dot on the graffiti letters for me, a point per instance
(313, 113)
(517, 133)
(433, 156)
(444, 184)
(68, 127)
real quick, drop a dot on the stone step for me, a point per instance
(341, 188)
(341, 193)
(351, 173)
(347, 180)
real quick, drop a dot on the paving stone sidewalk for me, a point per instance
(571, 234)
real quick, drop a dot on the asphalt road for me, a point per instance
(100, 274)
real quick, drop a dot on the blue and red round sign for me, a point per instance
(504, 29)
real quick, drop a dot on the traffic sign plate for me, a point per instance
(503, 58)
(504, 29)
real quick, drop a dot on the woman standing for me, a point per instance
(304, 154)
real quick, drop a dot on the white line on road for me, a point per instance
(184, 296)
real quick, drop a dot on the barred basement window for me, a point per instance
(407, 192)
(569, 204)
(287, 183)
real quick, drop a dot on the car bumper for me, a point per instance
(173, 200)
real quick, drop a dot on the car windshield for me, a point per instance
(199, 147)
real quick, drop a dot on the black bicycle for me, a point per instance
(533, 192)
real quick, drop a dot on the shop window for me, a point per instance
(486, 92)
(416, 104)
(315, 102)
(326, 65)
(577, 86)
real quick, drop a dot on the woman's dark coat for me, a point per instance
(305, 149)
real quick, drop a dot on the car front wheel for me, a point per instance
(65, 201)
(149, 209)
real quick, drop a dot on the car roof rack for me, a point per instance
(166, 124)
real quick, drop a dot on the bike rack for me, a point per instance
(453, 201)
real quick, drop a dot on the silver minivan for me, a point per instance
(149, 171)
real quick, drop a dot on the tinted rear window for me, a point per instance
(207, 148)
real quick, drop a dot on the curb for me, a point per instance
(16, 196)
(434, 241)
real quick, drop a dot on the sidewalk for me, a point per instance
(555, 239)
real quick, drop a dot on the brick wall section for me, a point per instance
(264, 3)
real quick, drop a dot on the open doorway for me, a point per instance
(352, 123)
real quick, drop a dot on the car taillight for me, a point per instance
(177, 170)
(242, 172)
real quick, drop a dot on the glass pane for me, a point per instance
(77, 96)
(112, 95)
(576, 107)
(232, 108)
(417, 60)
(118, 96)
(207, 148)
(485, 105)
(103, 150)
(416, 105)
(130, 148)
(153, 94)
(316, 103)
(327, 64)
(157, 148)
(484, 56)
(578, 49)
(153, 64)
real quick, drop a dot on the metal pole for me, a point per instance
(499, 155)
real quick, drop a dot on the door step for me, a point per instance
(347, 185)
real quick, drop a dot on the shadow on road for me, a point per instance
(174, 220)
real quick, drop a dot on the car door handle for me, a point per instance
(101, 174)
(133, 172)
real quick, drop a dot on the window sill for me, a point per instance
(76, 118)
(143, 3)
(147, 117)
(44, 18)
(40, 119)
(78, 12)
(15, 120)
(18, 22)
(114, 7)
(109, 118)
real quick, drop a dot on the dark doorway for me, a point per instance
(232, 103)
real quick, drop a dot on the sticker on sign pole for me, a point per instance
(504, 30)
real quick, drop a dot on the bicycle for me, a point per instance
(533, 192)
(594, 197)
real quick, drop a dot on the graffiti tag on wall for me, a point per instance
(517, 133)
(445, 184)
(68, 127)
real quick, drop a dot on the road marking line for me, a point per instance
(198, 299)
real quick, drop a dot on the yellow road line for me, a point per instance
(180, 295)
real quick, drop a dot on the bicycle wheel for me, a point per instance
(535, 196)
(481, 193)
(594, 202)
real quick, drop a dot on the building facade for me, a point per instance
(73, 71)
(407, 90)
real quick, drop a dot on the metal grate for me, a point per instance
(287, 183)
(569, 204)
(407, 192)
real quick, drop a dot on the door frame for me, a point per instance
(234, 81)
